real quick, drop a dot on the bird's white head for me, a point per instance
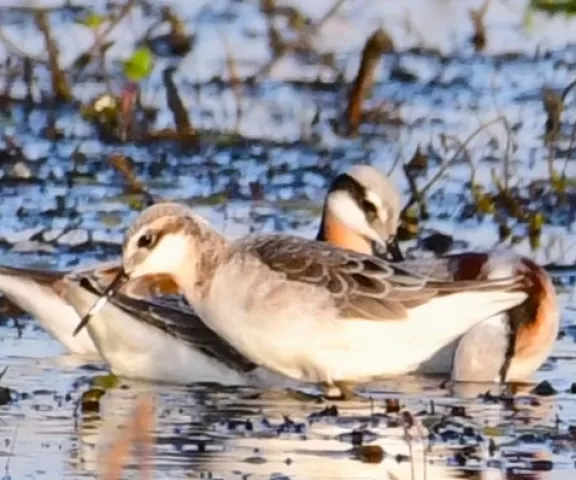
(366, 202)
(162, 240)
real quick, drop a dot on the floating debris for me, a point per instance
(544, 389)
(90, 401)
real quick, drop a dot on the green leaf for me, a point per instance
(139, 65)
(93, 20)
(555, 6)
(105, 381)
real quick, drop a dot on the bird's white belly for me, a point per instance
(299, 336)
(132, 348)
(137, 350)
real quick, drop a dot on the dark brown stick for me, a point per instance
(175, 104)
(378, 44)
(60, 86)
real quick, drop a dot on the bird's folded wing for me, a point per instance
(361, 286)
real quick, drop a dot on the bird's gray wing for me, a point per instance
(361, 286)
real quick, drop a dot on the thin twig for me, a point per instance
(567, 90)
(568, 155)
(573, 134)
(396, 162)
(507, 152)
(449, 162)
(60, 86)
(12, 447)
(100, 36)
(466, 156)
(407, 423)
(122, 164)
(235, 81)
(509, 134)
(290, 47)
(550, 157)
(176, 105)
(554, 106)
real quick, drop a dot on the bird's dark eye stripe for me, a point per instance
(356, 190)
(368, 206)
(348, 184)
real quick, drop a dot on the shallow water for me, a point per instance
(62, 204)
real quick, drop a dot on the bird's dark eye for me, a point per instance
(369, 209)
(147, 240)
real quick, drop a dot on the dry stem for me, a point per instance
(378, 44)
(60, 85)
(449, 163)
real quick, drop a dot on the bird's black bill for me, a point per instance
(394, 250)
(391, 252)
(112, 289)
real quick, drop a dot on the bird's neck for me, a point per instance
(335, 232)
(195, 278)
